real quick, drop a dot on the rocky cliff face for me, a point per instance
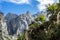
(3, 28)
(21, 21)
(10, 16)
(18, 24)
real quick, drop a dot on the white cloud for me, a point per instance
(43, 3)
(18, 1)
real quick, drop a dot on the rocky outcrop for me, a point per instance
(3, 28)
(10, 16)
(13, 25)
(17, 24)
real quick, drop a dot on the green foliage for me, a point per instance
(21, 37)
(34, 25)
(58, 4)
(41, 18)
(40, 34)
(37, 34)
(53, 9)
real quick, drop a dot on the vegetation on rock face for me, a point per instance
(54, 8)
(41, 18)
(48, 30)
(21, 37)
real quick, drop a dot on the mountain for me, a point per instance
(18, 24)
(36, 15)
(10, 16)
(15, 25)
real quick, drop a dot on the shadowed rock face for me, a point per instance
(10, 16)
(12, 26)
(17, 24)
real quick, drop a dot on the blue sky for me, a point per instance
(21, 6)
